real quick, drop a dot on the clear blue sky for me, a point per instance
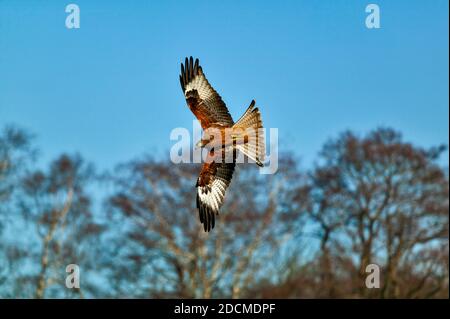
(110, 89)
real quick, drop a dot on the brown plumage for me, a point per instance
(211, 111)
(201, 98)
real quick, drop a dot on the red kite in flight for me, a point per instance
(246, 135)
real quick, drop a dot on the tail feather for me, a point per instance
(249, 134)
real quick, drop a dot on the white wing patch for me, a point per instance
(214, 197)
(202, 86)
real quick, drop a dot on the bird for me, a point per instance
(245, 135)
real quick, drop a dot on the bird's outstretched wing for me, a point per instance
(202, 99)
(211, 186)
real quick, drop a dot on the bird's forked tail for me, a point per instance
(248, 133)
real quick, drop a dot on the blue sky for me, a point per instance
(110, 89)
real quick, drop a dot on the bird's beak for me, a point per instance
(198, 145)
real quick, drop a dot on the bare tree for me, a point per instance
(155, 202)
(369, 199)
(16, 153)
(387, 198)
(57, 205)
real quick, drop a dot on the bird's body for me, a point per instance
(222, 137)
